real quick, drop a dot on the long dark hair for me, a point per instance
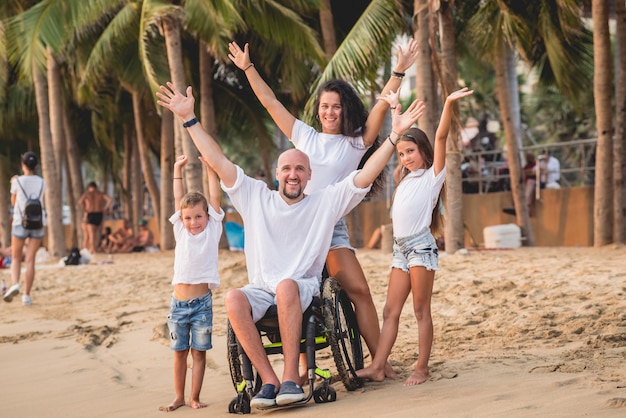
(425, 148)
(353, 118)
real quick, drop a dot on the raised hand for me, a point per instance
(400, 122)
(172, 99)
(181, 161)
(406, 57)
(393, 98)
(241, 58)
(459, 94)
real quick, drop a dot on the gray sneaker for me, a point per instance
(265, 398)
(289, 392)
(13, 291)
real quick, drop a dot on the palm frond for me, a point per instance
(367, 45)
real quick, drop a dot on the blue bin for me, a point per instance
(234, 234)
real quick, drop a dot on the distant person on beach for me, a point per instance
(24, 187)
(416, 217)
(95, 203)
(197, 230)
(287, 236)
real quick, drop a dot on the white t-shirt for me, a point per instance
(195, 256)
(288, 241)
(33, 187)
(414, 201)
(332, 157)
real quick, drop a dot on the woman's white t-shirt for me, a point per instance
(33, 187)
(332, 157)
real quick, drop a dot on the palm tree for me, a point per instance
(619, 163)
(603, 199)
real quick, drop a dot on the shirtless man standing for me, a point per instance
(94, 203)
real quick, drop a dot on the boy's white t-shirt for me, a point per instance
(414, 201)
(195, 256)
(288, 241)
(332, 157)
(32, 186)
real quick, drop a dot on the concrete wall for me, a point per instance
(563, 217)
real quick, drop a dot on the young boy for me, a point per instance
(197, 230)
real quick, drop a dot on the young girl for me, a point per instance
(197, 230)
(346, 133)
(415, 213)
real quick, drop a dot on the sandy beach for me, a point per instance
(518, 333)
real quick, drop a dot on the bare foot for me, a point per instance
(196, 404)
(172, 407)
(416, 378)
(371, 373)
(389, 372)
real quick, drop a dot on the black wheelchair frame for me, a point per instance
(329, 322)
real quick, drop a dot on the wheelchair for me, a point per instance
(328, 322)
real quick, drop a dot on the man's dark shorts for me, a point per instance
(95, 218)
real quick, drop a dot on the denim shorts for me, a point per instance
(18, 231)
(260, 300)
(418, 250)
(340, 239)
(191, 323)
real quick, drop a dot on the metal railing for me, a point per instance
(487, 171)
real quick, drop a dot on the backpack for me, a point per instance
(74, 258)
(32, 214)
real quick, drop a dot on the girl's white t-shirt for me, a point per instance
(195, 256)
(414, 201)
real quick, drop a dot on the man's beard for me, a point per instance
(292, 196)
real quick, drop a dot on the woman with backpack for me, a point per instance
(27, 198)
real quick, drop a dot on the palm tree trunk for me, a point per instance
(327, 26)
(454, 232)
(127, 171)
(74, 179)
(504, 79)
(619, 164)
(136, 186)
(425, 86)
(48, 166)
(207, 114)
(166, 236)
(602, 79)
(54, 189)
(5, 220)
(144, 155)
(193, 170)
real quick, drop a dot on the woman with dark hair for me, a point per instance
(25, 187)
(346, 134)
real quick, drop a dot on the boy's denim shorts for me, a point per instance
(340, 239)
(191, 323)
(18, 231)
(418, 250)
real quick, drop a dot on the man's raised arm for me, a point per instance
(183, 107)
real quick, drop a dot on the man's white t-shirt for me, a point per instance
(332, 157)
(414, 201)
(288, 241)
(195, 256)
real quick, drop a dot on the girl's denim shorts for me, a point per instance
(419, 250)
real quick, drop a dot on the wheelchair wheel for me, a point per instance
(344, 336)
(235, 363)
